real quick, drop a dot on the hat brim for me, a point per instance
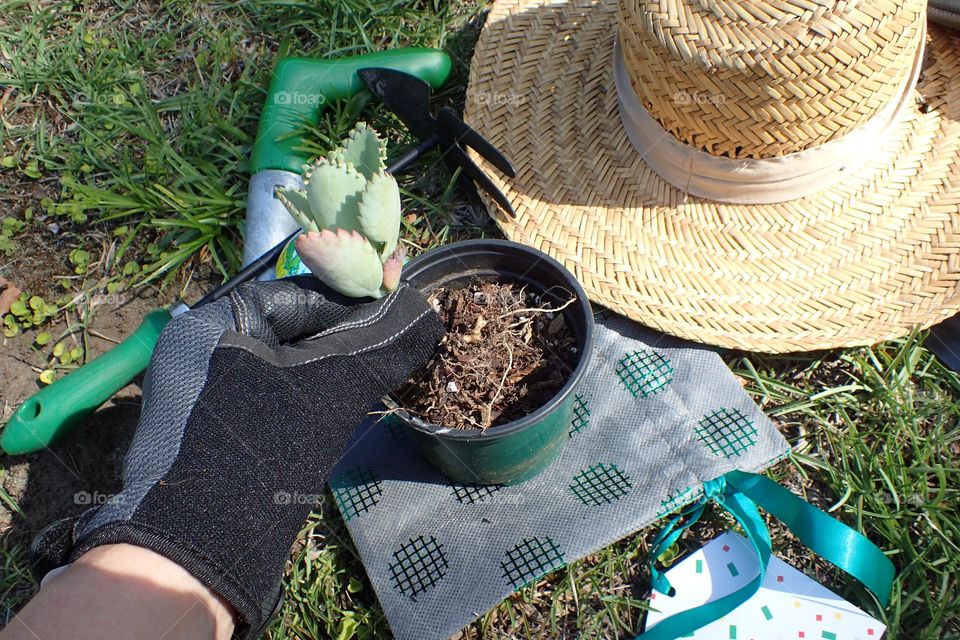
(872, 257)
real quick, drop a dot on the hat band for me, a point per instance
(755, 181)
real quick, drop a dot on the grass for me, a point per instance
(125, 129)
(877, 443)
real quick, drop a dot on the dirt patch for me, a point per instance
(85, 467)
(57, 482)
(506, 353)
(39, 255)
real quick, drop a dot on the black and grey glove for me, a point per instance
(247, 401)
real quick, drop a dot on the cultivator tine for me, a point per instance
(409, 98)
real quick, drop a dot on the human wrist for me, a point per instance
(133, 569)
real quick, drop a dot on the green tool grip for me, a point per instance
(56, 409)
(301, 87)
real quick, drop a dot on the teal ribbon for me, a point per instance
(671, 532)
(740, 493)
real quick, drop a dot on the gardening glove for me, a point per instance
(248, 404)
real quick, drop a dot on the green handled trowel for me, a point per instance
(298, 92)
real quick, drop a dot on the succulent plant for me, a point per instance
(350, 216)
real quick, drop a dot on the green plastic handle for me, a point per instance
(301, 87)
(56, 409)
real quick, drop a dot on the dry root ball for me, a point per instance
(506, 353)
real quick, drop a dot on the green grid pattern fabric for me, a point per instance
(600, 484)
(418, 565)
(644, 372)
(726, 432)
(531, 559)
(677, 499)
(356, 490)
(581, 415)
(470, 493)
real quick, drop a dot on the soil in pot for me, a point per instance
(507, 351)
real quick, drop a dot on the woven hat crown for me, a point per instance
(766, 78)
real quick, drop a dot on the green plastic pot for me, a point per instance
(518, 450)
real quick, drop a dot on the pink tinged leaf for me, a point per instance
(343, 260)
(392, 268)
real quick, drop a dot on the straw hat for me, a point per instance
(772, 175)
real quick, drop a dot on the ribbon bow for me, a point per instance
(740, 493)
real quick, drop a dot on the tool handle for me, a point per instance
(301, 87)
(57, 408)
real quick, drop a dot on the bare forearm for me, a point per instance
(122, 591)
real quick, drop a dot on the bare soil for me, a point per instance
(506, 353)
(84, 468)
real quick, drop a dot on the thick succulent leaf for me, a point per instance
(333, 190)
(380, 212)
(392, 267)
(336, 156)
(296, 203)
(364, 150)
(344, 260)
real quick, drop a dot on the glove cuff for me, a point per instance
(51, 547)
